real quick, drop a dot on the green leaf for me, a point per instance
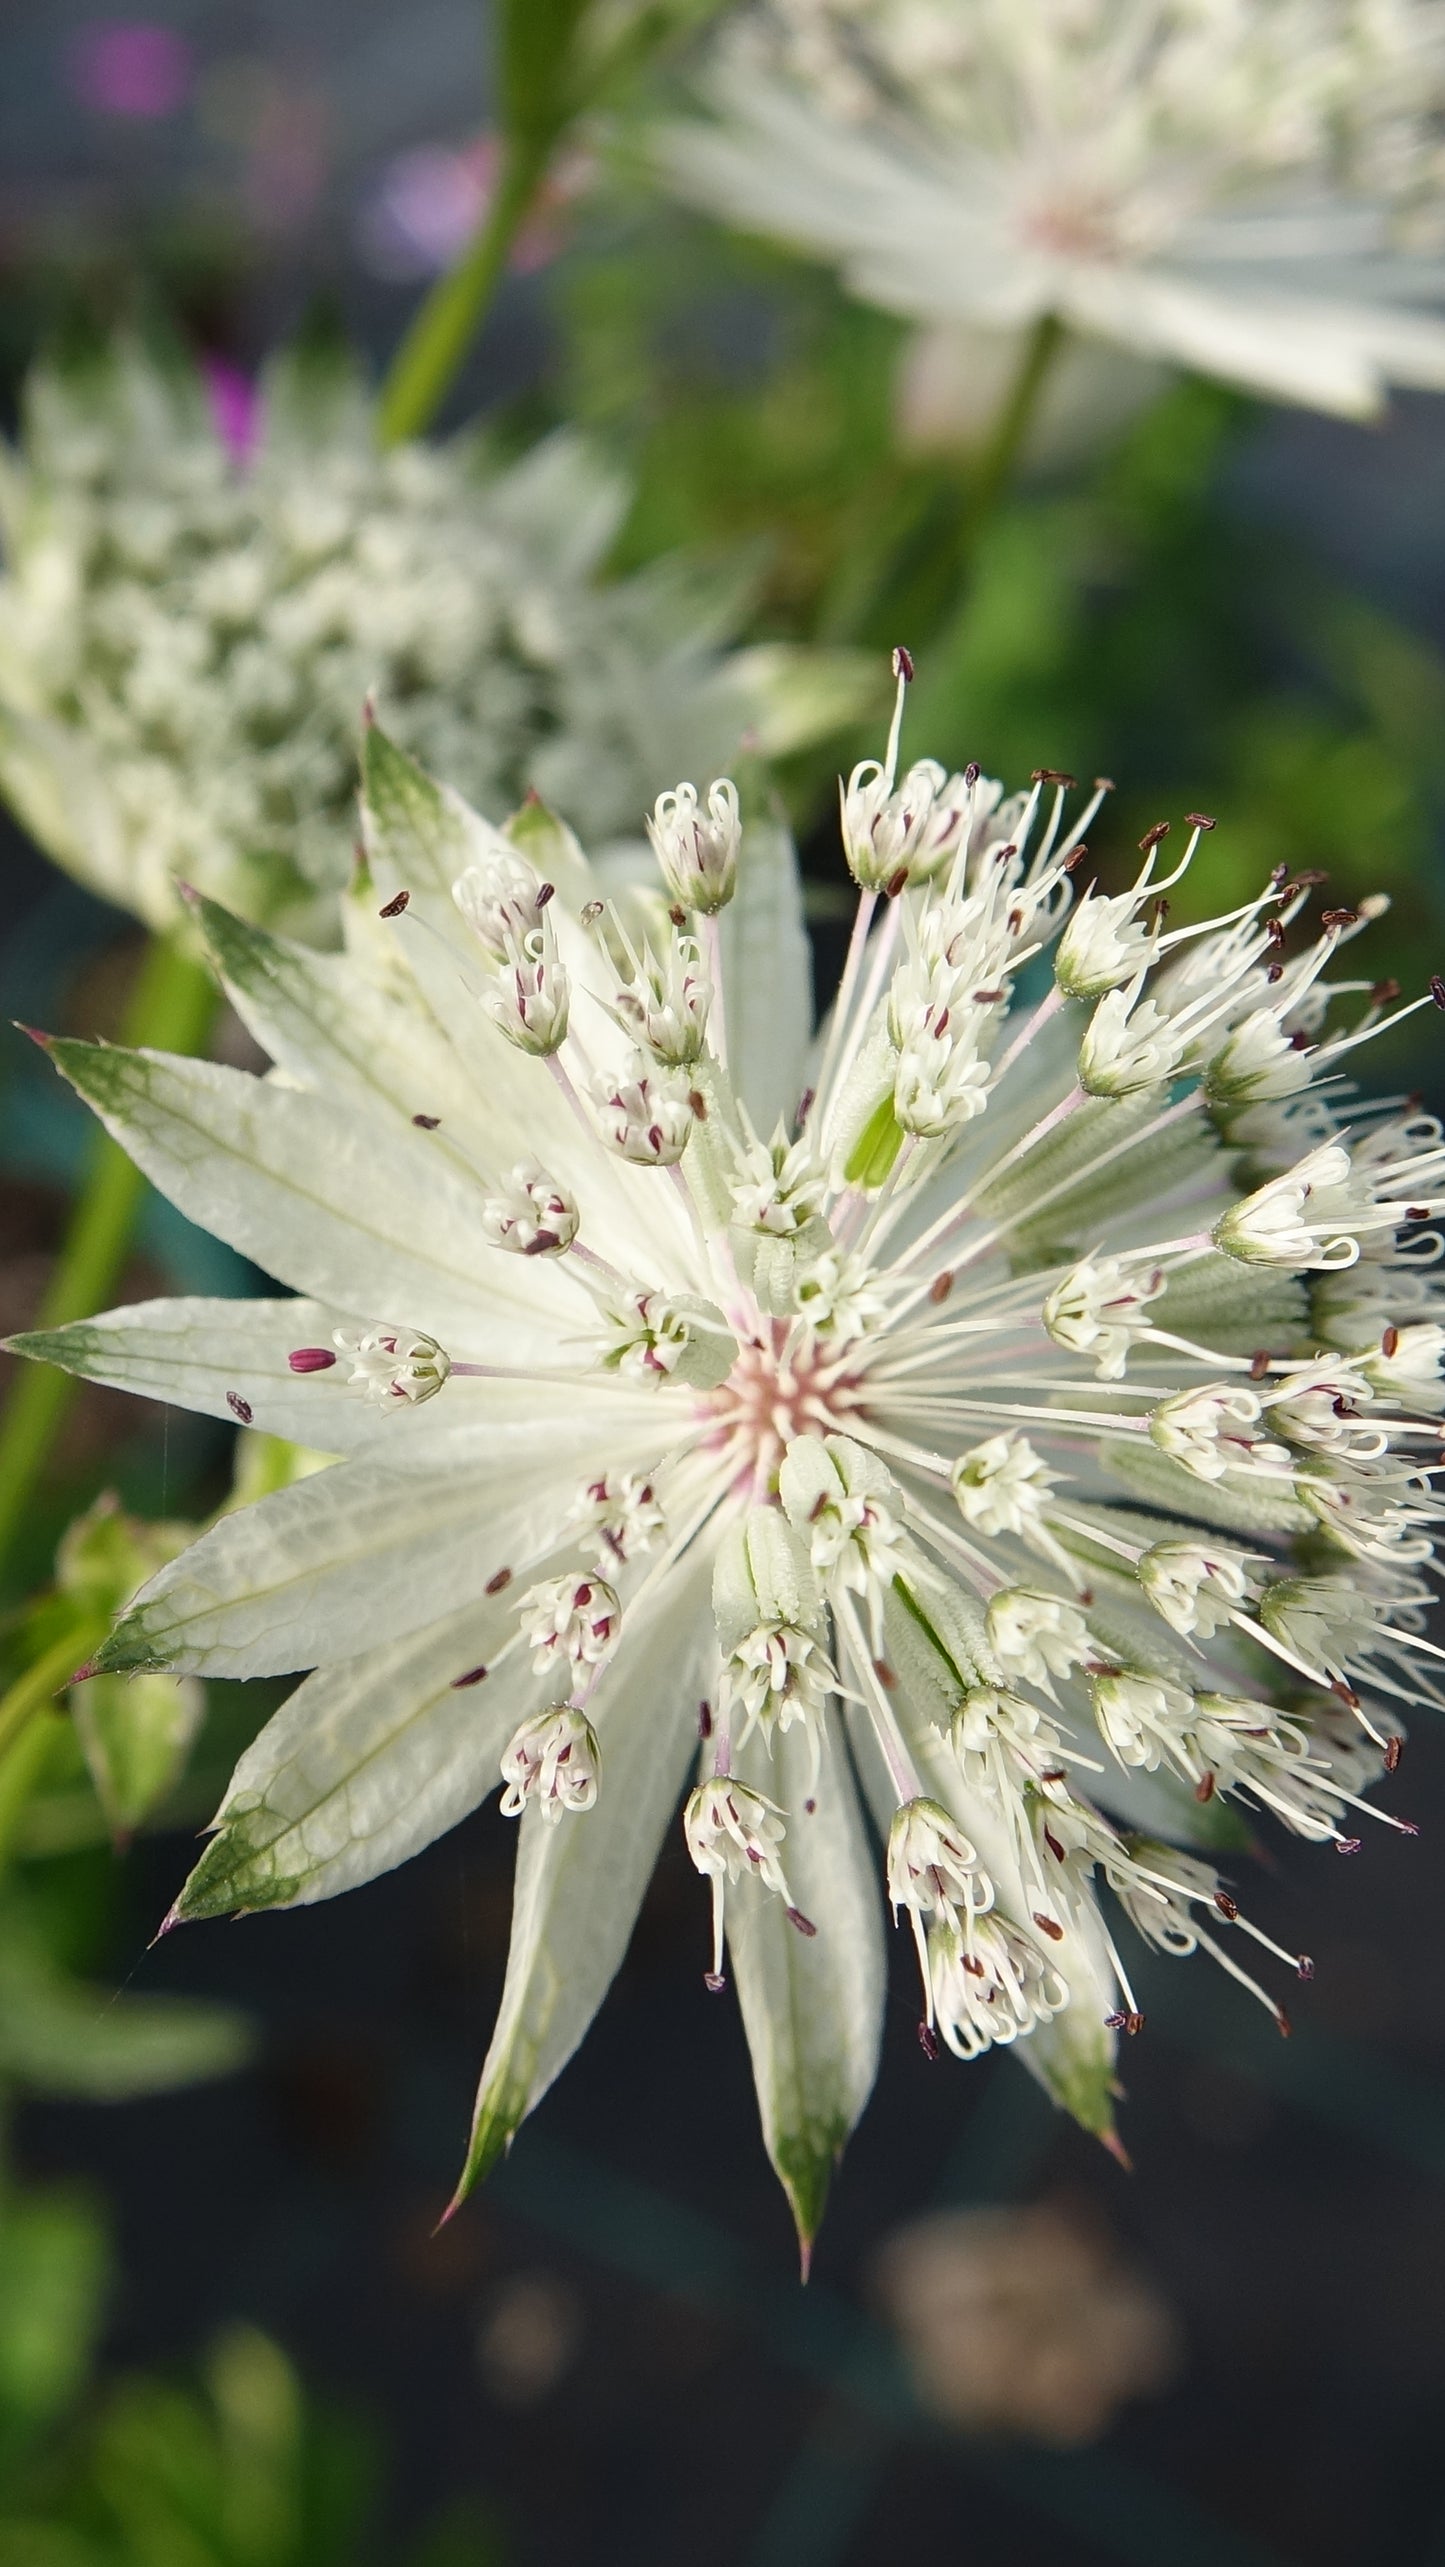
(812, 2005)
(58, 2037)
(54, 2269)
(135, 1735)
(870, 1161)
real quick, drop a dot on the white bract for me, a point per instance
(1249, 191)
(186, 637)
(782, 1471)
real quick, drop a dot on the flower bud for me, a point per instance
(646, 1115)
(572, 1622)
(698, 856)
(534, 1217)
(501, 898)
(530, 995)
(395, 1367)
(1099, 1310)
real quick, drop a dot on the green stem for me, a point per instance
(995, 465)
(421, 372)
(172, 1008)
(31, 1692)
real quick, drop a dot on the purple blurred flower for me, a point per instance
(130, 67)
(235, 405)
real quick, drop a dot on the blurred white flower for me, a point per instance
(187, 635)
(1253, 192)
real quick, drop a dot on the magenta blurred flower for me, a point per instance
(130, 67)
(235, 405)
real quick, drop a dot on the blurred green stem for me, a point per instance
(172, 1008)
(998, 459)
(421, 372)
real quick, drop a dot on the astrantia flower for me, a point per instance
(1249, 191)
(185, 636)
(979, 1481)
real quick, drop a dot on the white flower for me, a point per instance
(1037, 1636)
(1098, 1310)
(734, 1834)
(532, 1216)
(185, 640)
(1252, 193)
(570, 1623)
(553, 1762)
(990, 1985)
(1209, 1430)
(1196, 1586)
(1139, 1718)
(1003, 1486)
(621, 1502)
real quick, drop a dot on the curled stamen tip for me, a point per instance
(1348, 1844)
(903, 664)
(714, 1981)
(928, 2041)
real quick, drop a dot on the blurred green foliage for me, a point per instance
(244, 2472)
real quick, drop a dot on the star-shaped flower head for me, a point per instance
(1252, 192)
(978, 1588)
(185, 634)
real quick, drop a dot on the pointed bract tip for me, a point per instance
(1111, 2140)
(35, 1033)
(187, 892)
(805, 2258)
(368, 709)
(169, 1921)
(83, 1674)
